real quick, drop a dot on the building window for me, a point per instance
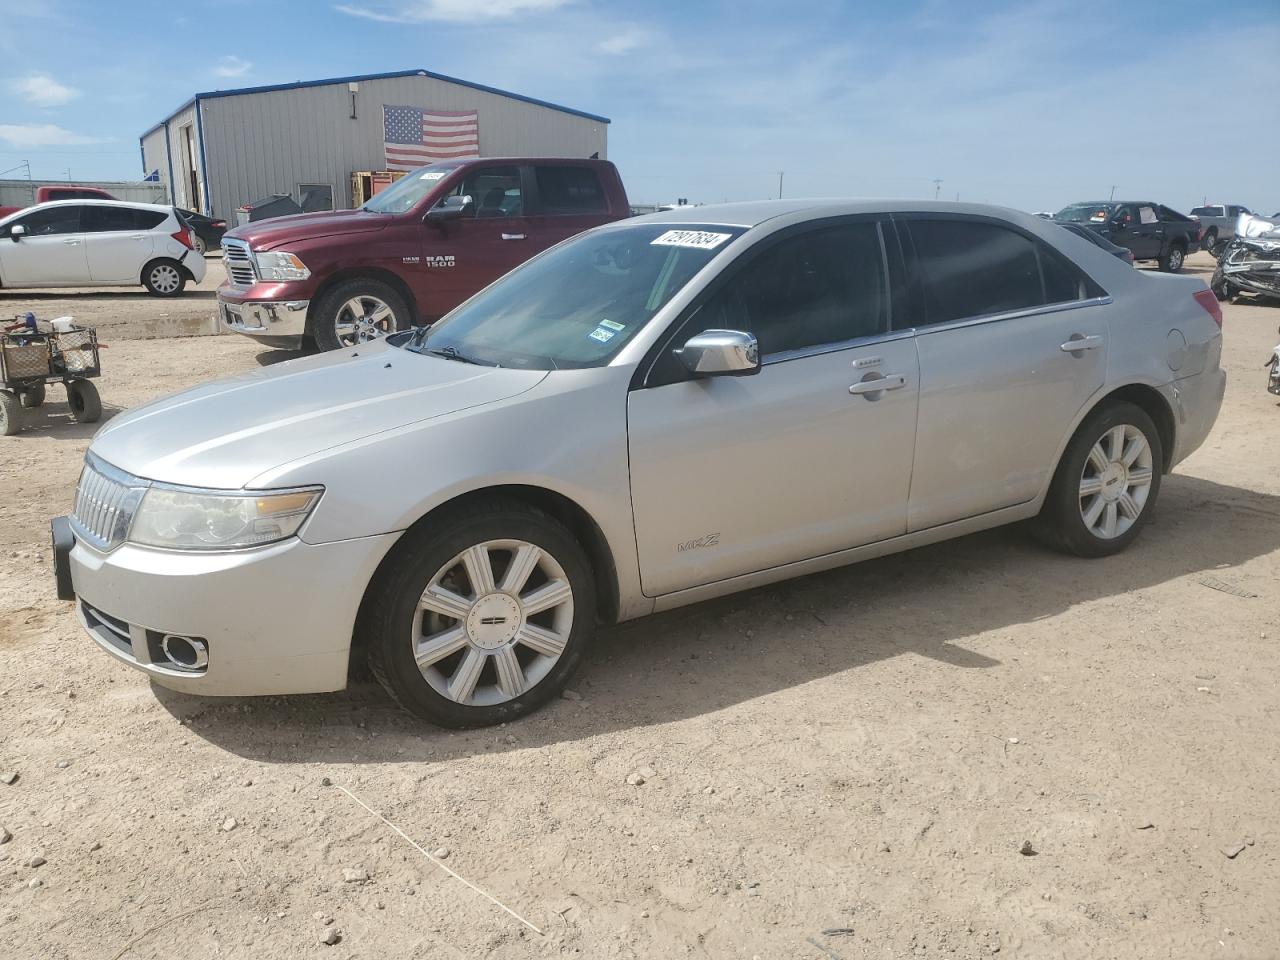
(315, 197)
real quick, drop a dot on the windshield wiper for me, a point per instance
(452, 353)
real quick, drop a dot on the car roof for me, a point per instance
(752, 213)
(158, 207)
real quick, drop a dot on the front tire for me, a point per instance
(10, 414)
(481, 616)
(1106, 484)
(355, 312)
(1172, 260)
(164, 278)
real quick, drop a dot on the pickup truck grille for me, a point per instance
(239, 263)
(106, 501)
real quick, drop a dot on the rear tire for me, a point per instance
(1172, 260)
(33, 396)
(164, 278)
(517, 630)
(198, 244)
(357, 311)
(10, 414)
(1098, 503)
(86, 405)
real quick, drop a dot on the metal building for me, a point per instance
(229, 147)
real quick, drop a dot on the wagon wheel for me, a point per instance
(10, 413)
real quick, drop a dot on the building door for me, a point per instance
(194, 200)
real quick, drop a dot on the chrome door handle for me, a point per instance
(513, 236)
(1078, 344)
(874, 383)
(71, 242)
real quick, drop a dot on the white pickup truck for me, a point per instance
(1218, 222)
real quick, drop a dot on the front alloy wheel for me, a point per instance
(361, 319)
(492, 622)
(480, 614)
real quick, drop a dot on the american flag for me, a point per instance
(414, 137)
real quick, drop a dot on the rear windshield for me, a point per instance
(1207, 212)
(1087, 212)
(576, 305)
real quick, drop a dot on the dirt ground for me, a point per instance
(842, 766)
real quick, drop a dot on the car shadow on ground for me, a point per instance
(720, 653)
(114, 293)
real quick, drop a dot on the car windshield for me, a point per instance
(1086, 212)
(406, 192)
(576, 305)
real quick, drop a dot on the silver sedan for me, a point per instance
(652, 413)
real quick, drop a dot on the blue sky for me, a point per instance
(1031, 104)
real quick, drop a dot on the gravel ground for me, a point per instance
(842, 766)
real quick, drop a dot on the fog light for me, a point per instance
(184, 653)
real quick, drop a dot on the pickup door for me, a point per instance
(462, 256)
(1139, 229)
(51, 252)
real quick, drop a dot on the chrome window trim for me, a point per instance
(1047, 308)
(822, 349)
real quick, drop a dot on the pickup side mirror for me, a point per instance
(450, 208)
(17, 232)
(721, 353)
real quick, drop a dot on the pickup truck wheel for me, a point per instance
(480, 617)
(164, 278)
(355, 312)
(1171, 262)
(1209, 240)
(1106, 484)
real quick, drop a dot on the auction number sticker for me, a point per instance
(432, 175)
(697, 239)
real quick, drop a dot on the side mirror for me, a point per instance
(17, 232)
(450, 208)
(721, 353)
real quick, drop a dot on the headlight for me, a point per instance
(191, 520)
(280, 265)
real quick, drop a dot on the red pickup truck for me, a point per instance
(61, 192)
(412, 253)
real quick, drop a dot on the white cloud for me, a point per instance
(232, 66)
(625, 41)
(42, 135)
(42, 90)
(450, 11)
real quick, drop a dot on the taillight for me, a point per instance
(183, 236)
(1210, 303)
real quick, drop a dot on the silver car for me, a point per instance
(655, 412)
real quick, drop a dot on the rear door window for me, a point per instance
(99, 219)
(567, 189)
(973, 269)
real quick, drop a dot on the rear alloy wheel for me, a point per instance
(484, 619)
(1171, 262)
(164, 278)
(355, 312)
(1210, 239)
(1106, 484)
(197, 244)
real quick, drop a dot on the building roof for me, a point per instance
(271, 88)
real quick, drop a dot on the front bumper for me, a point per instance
(275, 620)
(277, 323)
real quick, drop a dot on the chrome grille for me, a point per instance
(106, 501)
(239, 263)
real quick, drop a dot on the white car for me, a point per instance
(98, 243)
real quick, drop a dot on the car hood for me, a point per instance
(267, 234)
(223, 434)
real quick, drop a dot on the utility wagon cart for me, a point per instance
(30, 360)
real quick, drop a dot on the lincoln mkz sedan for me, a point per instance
(655, 412)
